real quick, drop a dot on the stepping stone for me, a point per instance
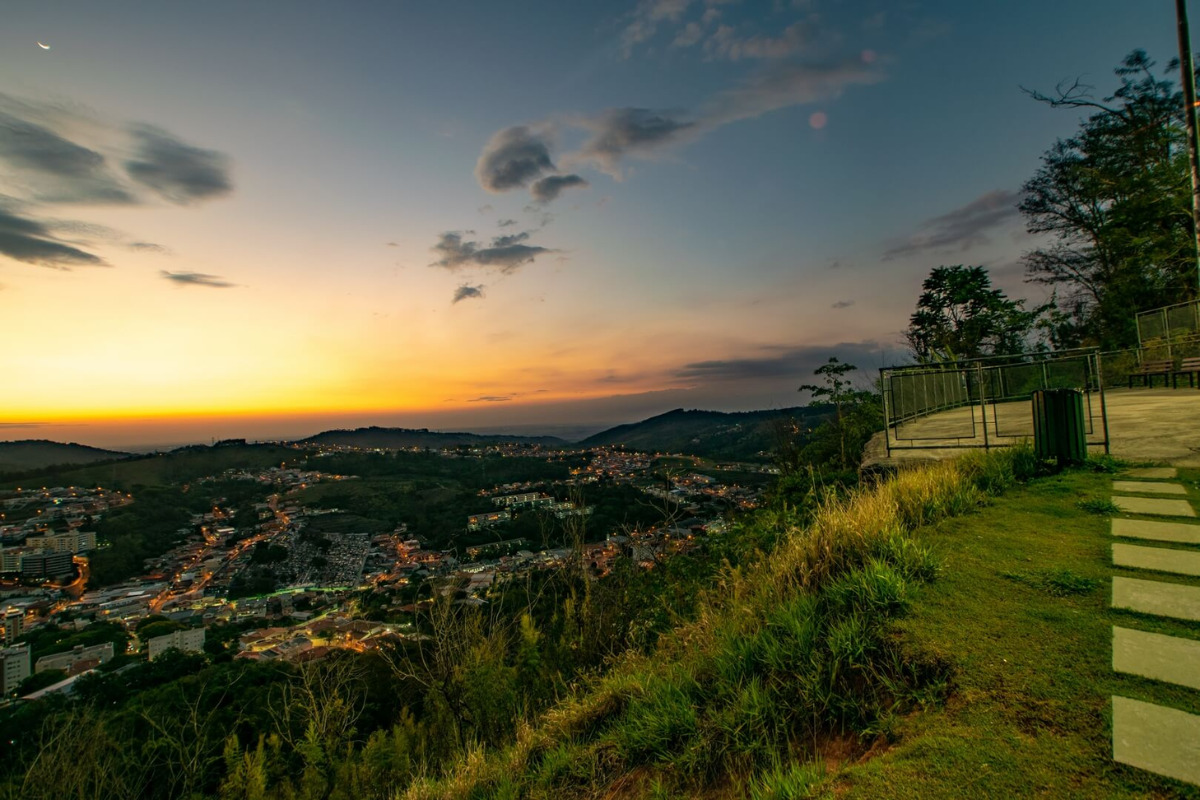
(1156, 597)
(1149, 487)
(1180, 532)
(1162, 559)
(1161, 658)
(1153, 473)
(1155, 738)
(1157, 506)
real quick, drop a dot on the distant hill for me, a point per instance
(28, 454)
(739, 436)
(386, 438)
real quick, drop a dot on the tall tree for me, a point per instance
(1115, 200)
(839, 442)
(960, 315)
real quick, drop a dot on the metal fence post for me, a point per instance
(1103, 405)
(982, 405)
(887, 426)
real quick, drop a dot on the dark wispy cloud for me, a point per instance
(506, 223)
(962, 228)
(519, 156)
(842, 304)
(790, 363)
(513, 158)
(34, 242)
(549, 188)
(148, 247)
(175, 171)
(505, 253)
(467, 292)
(196, 279)
(509, 239)
(642, 132)
(55, 168)
(63, 154)
(491, 398)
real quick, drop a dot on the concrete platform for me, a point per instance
(1153, 473)
(1160, 559)
(1176, 532)
(1158, 739)
(1174, 600)
(1160, 425)
(1158, 657)
(1155, 506)
(1149, 487)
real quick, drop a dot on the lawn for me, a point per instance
(1020, 613)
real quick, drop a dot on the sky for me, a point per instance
(266, 219)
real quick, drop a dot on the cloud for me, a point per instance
(196, 279)
(61, 170)
(842, 304)
(505, 253)
(149, 247)
(506, 223)
(512, 158)
(491, 398)
(63, 154)
(726, 44)
(792, 363)
(467, 292)
(784, 85)
(642, 132)
(962, 228)
(691, 34)
(550, 187)
(32, 241)
(646, 18)
(515, 157)
(177, 172)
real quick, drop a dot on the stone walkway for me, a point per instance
(1153, 737)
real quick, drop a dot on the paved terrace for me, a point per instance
(1161, 425)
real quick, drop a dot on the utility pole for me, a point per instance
(1188, 78)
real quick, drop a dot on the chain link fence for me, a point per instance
(986, 402)
(1180, 321)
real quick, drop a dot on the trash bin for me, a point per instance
(1059, 426)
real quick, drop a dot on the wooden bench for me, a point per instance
(1189, 367)
(1147, 370)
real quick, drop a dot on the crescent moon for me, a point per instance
(43, 46)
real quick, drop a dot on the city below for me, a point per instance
(279, 567)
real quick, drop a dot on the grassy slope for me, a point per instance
(1030, 714)
(1019, 616)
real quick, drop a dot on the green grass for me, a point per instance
(781, 660)
(925, 639)
(1021, 614)
(1099, 505)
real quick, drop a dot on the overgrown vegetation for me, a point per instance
(730, 659)
(786, 657)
